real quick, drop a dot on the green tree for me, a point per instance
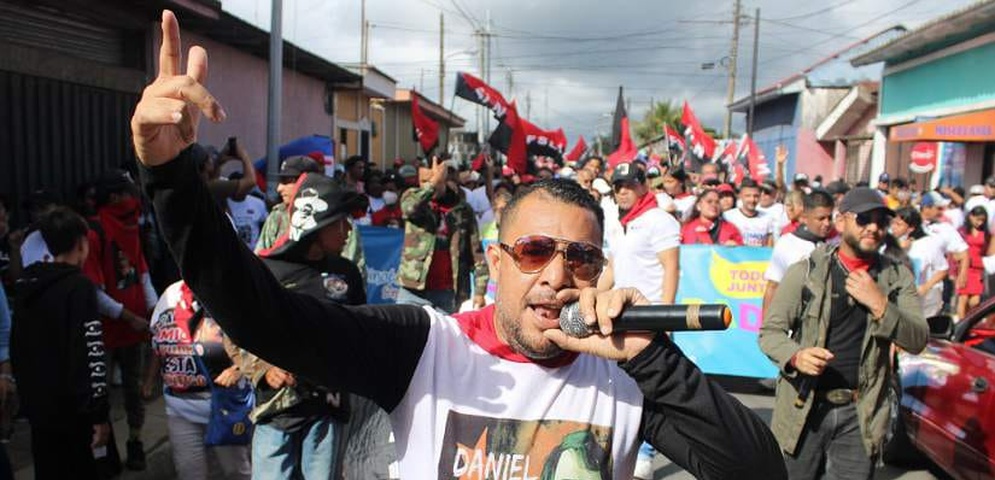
(662, 113)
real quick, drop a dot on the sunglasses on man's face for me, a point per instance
(879, 218)
(533, 253)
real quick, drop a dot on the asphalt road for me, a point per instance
(748, 392)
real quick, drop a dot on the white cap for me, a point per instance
(977, 190)
(601, 186)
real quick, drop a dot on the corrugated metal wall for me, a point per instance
(56, 135)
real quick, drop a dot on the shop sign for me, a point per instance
(924, 156)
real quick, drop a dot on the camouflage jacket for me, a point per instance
(420, 225)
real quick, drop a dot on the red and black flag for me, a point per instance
(426, 130)
(475, 90)
(623, 148)
(546, 143)
(699, 144)
(577, 151)
(750, 156)
(675, 142)
(509, 139)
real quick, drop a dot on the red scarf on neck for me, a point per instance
(644, 204)
(853, 264)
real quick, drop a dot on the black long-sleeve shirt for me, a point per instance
(375, 351)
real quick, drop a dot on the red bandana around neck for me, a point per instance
(479, 326)
(646, 203)
(855, 263)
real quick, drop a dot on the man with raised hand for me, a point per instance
(503, 382)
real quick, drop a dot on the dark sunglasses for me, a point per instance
(532, 253)
(879, 218)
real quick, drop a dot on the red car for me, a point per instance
(946, 396)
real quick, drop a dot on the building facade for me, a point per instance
(936, 115)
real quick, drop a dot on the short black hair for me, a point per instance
(560, 189)
(748, 183)
(61, 228)
(817, 199)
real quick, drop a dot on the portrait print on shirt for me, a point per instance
(485, 448)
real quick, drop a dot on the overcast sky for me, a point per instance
(571, 56)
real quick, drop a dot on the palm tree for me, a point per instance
(661, 113)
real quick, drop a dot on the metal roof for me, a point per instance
(936, 34)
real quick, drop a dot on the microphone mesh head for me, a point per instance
(572, 323)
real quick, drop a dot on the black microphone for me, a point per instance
(651, 318)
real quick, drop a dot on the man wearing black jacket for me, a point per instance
(298, 424)
(57, 354)
(494, 392)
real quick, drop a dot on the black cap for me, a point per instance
(863, 199)
(678, 173)
(628, 172)
(318, 201)
(837, 187)
(298, 164)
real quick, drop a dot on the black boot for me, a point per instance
(136, 455)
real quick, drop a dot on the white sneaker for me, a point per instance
(644, 469)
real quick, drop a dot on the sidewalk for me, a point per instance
(154, 435)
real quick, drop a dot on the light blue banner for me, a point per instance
(732, 276)
(382, 246)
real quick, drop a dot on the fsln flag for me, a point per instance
(617, 117)
(675, 141)
(509, 139)
(426, 130)
(475, 90)
(753, 159)
(626, 151)
(699, 143)
(578, 150)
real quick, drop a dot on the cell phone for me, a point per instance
(232, 145)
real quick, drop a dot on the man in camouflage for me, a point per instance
(441, 244)
(278, 219)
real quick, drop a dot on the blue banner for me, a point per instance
(382, 247)
(733, 276)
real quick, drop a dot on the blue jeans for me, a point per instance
(442, 300)
(308, 453)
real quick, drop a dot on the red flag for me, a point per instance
(626, 149)
(578, 150)
(700, 143)
(426, 129)
(475, 90)
(547, 143)
(728, 157)
(753, 158)
(675, 142)
(509, 138)
(478, 162)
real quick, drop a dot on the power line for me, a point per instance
(812, 14)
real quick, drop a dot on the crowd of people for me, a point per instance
(269, 321)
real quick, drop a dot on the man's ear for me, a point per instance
(493, 254)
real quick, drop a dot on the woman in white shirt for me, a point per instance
(929, 263)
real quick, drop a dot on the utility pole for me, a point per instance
(528, 104)
(442, 60)
(479, 33)
(510, 77)
(274, 101)
(421, 80)
(362, 30)
(753, 75)
(733, 52)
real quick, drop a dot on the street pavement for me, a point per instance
(160, 464)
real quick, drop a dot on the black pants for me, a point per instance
(831, 447)
(63, 451)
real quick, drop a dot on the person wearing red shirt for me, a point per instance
(707, 226)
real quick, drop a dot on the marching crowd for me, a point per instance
(291, 375)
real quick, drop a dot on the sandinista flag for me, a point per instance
(577, 151)
(728, 157)
(699, 143)
(426, 130)
(547, 143)
(753, 158)
(675, 142)
(475, 90)
(627, 150)
(509, 139)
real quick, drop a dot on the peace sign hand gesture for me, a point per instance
(166, 118)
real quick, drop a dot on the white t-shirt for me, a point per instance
(949, 236)
(928, 258)
(192, 407)
(954, 216)
(788, 250)
(776, 211)
(34, 250)
(755, 229)
(634, 252)
(248, 217)
(684, 206)
(481, 205)
(665, 201)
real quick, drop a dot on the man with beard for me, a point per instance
(644, 255)
(503, 382)
(829, 329)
